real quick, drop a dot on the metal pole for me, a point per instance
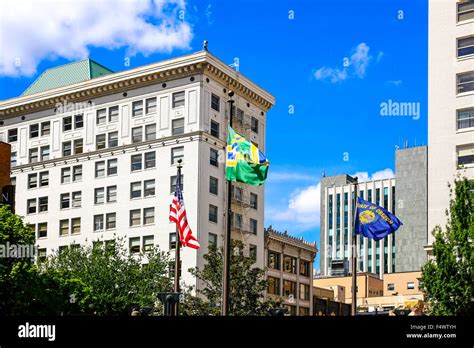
(354, 253)
(177, 246)
(227, 246)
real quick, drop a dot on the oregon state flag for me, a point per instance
(245, 162)
(373, 221)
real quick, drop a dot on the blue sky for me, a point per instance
(333, 63)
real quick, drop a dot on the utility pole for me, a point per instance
(354, 252)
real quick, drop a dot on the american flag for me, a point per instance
(178, 216)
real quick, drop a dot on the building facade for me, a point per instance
(96, 159)
(450, 103)
(289, 262)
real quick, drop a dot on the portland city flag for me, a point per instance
(245, 162)
(373, 221)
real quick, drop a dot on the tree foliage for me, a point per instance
(447, 280)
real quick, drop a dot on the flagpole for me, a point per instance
(177, 245)
(227, 246)
(354, 252)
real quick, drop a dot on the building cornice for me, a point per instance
(197, 63)
(291, 241)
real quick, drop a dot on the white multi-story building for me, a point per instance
(94, 154)
(450, 102)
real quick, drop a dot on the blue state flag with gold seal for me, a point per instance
(373, 221)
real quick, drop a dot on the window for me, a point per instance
(289, 288)
(253, 226)
(304, 292)
(32, 181)
(13, 159)
(213, 185)
(274, 260)
(45, 128)
(134, 245)
(215, 102)
(100, 142)
(253, 251)
(305, 268)
(76, 199)
(137, 135)
(173, 183)
(135, 217)
(150, 160)
(289, 264)
(43, 204)
(42, 230)
(240, 114)
(236, 220)
(172, 240)
(113, 113)
(65, 175)
(77, 173)
(410, 285)
(63, 227)
(465, 46)
(34, 131)
(214, 129)
(31, 206)
(100, 169)
(254, 125)
(42, 254)
(178, 99)
(98, 222)
(148, 243)
(150, 105)
(112, 167)
(149, 188)
(65, 201)
(136, 162)
(99, 195)
(67, 148)
(176, 154)
(253, 200)
(303, 311)
(273, 286)
(466, 155)
(78, 121)
(12, 135)
(137, 108)
(465, 118)
(465, 11)
(212, 239)
(212, 213)
(101, 116)
(33, 155)
(214, 157)
(111, 194)
(390, 286)
(113, 139)
(177, 126)
(150, 132)
(67, 123)
(44, 153)
(148, 216)
(111, 221)
(465, 82)
(135, 190)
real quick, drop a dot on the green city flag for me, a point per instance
(245, 162)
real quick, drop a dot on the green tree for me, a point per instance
(447, 280)
(247, 285)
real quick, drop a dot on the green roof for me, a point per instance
(67, 74)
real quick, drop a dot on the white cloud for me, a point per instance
(380, 175)
(34, 30)
(208, 14)
(289, 176)
(355, 66)
(395, 82)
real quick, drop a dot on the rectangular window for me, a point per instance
(44, 179)
(215, 102)
(113, 139)
(65, 175)
(212, 213)
(178, 99)
(465, 11)
(213, 185)
(150, 132)
(12, 135)
(33, 155)
(137, 134)
(76, 198)
(237, 220)
(213, 239)
(148, 216)
(136, 162)
(67, 123)
(465, 46)
(45, 128)
(111, 221)
(465, 155)
(100, 169)
(253, 251)
(31, 206)
(100, 142)
(148, 243)
(42, 230)
(111, 194)
(410, 285)
(274, 260)
(172, 240)
(253, 200)
(253, 226)
(150, 160)
(13, 159)
(135, 190)
(77, 173)
(98, 222)
(254, 125)
(75, 225)
(63, 227)
(32, 181)
(137, 108)
(289, 264)
(101, 116)
(150, 105)
(149, 188)
(176, 154)
(177, 126)
(215, 129)
(465, 118)
(34, 131)
(65, 200)
(78, 146)
(465, 82)
(78, 121)
(44, 153)
(289, 288)
(236, 193)
(99, 195)
(305, 268)
(67, 148)
(113, 114)
(173, 183)
(112, 167)
(43, 204)
(273, 286)
(214, 157)
(304, 292)
(390, 286)
(135, 217)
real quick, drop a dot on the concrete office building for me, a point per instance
(94, 154)
(450, 103)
